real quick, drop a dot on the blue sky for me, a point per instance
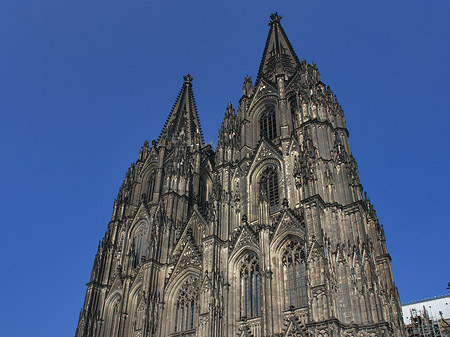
(83, 84)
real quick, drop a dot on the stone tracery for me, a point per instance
(185, 306)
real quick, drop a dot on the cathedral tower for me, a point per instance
(268, 235)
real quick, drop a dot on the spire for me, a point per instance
(183, 119)
(278, 57)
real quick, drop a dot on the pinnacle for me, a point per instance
(230, 109)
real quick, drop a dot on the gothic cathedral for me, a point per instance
(267, 235)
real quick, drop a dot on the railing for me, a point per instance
(187, 333)
(254, 324)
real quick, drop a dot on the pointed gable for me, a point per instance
(142, 213)
(190, 256)
(263, 91)
(244, 237)
(195, 229)
(183, 119)
(289, 222)
(278, 55)
(117, 284)
(142, 216)
(264, 152)
(293, 329)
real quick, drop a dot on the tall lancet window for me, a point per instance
(140, 244)
(151, 186)
(293, 108)
(250, 287)
(185, 305)
(269, 187)
(267, 123)
(114, 317)
(294, 271)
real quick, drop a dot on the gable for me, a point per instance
(189, 257)
(195, 228)
(293, 329)
(245, 238)
(265, 152)
(263, 91)
(288, 223)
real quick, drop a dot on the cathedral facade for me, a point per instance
(269, 234)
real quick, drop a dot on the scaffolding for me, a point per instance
(422, 325)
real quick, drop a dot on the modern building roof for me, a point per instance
(434, 307)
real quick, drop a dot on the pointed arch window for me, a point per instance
(293, 259)
(269, 187)
(267, 123)
(140, 244)
(137, 310)
(293, 108)
(151, 186)
(185, 305)
(114, 317)
(139, 316)
(250, 287)
(202, 192)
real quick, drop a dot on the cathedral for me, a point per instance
(270, 234)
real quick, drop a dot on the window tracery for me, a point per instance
(185, 305)
(292, 101)
(267, 123)
(151, 186)
(250, 286)
(293, 259)
(140, 244)
(137, 308)
(139, 317)
(114, 317)
(269, 187)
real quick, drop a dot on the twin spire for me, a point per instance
(183, 119)
(278, 58)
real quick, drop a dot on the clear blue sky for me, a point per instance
(84, 82)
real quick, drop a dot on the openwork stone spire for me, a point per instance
(183, 119)
(278, 57)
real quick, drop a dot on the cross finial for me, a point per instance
(274, 18)
(188, 79)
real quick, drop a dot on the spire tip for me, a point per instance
(274, 18)
(188, 79)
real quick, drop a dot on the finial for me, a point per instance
(274, 18)
(188, 79)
